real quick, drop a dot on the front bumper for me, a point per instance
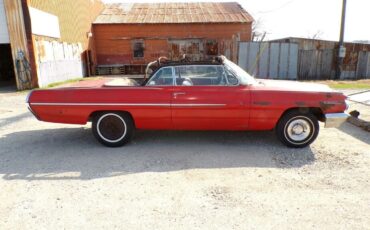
(333, 120)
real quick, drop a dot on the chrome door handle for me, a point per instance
(178, 93)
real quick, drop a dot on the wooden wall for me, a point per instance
(17, 28)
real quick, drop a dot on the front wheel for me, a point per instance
(296, 129)
(113, 129)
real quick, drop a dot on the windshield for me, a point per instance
(244, 77)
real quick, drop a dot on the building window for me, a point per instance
(193, 48)
(211, 47)
(138, 48)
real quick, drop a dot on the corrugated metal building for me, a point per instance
(129, 35)
(45, 41)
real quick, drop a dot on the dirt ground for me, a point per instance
(56, 176)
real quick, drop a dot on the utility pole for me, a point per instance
(341, 48)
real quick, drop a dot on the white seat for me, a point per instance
(187, 82)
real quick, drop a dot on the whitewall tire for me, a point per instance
(297, 129)
(112, 129)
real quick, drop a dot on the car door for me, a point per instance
(154, 107)
(204, 99)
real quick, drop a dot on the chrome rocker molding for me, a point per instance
(333, 120)
(127, 104)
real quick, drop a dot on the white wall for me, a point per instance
(4, 36)
(58, 71)
(44, 24)
(58, 61)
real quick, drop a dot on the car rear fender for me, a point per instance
(96, 113)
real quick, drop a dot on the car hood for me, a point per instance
(293, 86)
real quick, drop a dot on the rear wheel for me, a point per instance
(297, 129)
(113, 129)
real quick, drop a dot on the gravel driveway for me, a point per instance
(56, 176)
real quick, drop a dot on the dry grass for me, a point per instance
(359, 84)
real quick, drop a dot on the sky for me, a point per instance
(302, 18)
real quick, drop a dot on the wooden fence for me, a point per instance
(286, 61)
(315, 64)
(363, 65)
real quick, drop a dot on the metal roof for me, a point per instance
(150, 13)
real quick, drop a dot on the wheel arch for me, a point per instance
(316, 111)
(97, 112)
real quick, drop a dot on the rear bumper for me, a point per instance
(29, 105)
(333, 120)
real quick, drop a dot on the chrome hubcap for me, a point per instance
(298, 130)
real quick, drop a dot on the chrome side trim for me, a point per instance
(197, 105)
(126, 104)
(98, 104)
(333, 120)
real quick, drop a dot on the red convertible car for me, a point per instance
(212, 95)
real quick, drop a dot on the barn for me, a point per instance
(127, 36)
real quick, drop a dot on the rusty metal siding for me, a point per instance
(113, 42)
(154, 13)
(269, 60)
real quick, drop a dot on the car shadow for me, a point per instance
(9, 120)
(355, 132)
(73, 153)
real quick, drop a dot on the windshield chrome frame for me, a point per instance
(156, 72)
(248, 80)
